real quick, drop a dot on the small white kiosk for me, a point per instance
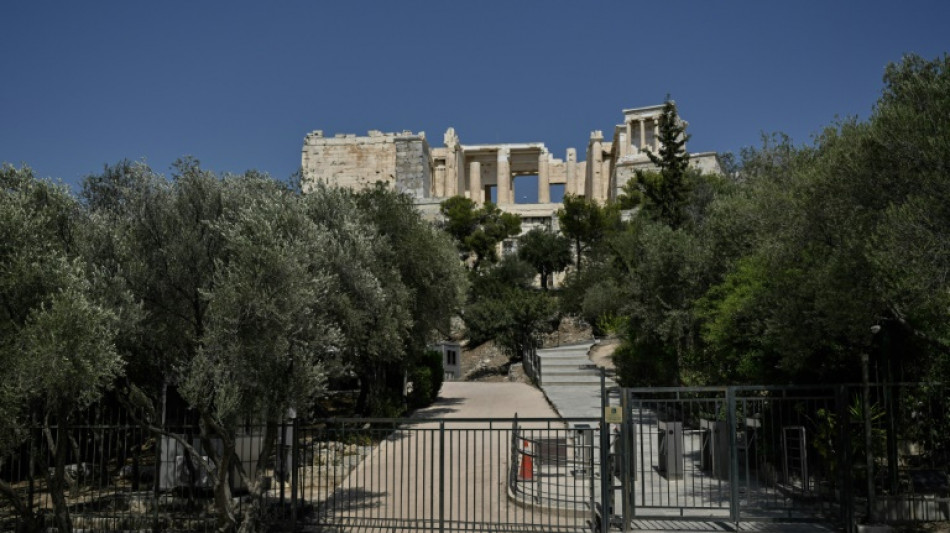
(451, 359)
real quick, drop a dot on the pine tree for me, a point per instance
(666, 190)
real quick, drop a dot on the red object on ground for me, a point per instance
(526, 473)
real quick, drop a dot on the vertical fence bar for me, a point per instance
(294, 469)
(606, 477)
(441, 476)
(733, 455)
(844, 459)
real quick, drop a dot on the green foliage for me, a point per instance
(504, 308)
(546, 251)
(425, 259)
(602, 308)
(663, 194)
(426, 375)
(253, 295)
(267, 321)
(587, 223)
(646, 362)
(660, 272)
(731, 329)
(477, 231)
(777, 272)
(825, 438)
(58, 334)
(57, 325)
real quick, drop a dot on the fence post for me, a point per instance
(843, 453)
(281, 446)
(294, 469)
(733, 455)
(158, 459)
(441, 476)
(538, 370)
(891, 399)
(35, 437)
(606, 477)
(868, 440)
(606, 474)
(627, 460)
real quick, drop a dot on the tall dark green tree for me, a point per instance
(504, 307)
(546, 251)
(663, 193)
(478, 230)
(586, 223)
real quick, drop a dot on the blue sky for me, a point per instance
(239, 84)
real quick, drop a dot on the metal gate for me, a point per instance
(726, 454)
(448, 475)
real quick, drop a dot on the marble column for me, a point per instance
(656, 134)
(628, 145)
(597, 170)
(475, 182)
(505, 194)
(438, 189)
(643, 133)
(570, 170)
(544, 186)
(451, 173)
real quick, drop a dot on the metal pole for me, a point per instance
(294, 466)
(158, 458)
(869, 454)
(441, 476)
(282, 443)
(844, 459)
(734, 455)
(626, 459)
(606, 476)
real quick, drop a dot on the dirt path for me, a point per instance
(601, 353)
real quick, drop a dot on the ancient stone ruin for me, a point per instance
(432, 174)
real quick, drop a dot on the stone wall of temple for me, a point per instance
(357, 162)
(413, 165)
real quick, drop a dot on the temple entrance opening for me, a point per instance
(526, 188)
(491, 192)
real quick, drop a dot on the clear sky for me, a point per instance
(239, 84)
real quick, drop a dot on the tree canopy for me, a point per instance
(478, 230)
(546, 251)
(777, 272)
(244, 296)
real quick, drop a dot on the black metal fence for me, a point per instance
(729, 454)
(366, 474)
(787, 453)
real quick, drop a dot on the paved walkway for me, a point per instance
(464, 399)
(571, 382)
(452, 467)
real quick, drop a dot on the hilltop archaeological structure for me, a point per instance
(432, 174)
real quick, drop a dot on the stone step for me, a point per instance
(585, 380)
(556, 351)
(546, 374)
(565, 357)
(567, 384)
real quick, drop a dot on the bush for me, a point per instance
(426, 376)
